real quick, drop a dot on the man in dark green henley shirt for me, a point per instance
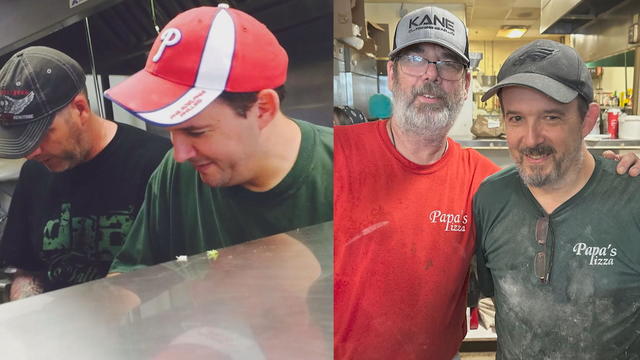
(558, 235)
(239, 169)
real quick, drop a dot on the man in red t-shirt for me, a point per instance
(403, 235)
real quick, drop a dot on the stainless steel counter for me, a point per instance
(270, 298)
(501, 144)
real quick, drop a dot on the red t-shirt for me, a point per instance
(403, 240)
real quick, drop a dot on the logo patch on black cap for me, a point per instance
(11, 106)
(535, 55)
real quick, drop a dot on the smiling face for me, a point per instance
(426, 104)
(221, 145)
(544, 136)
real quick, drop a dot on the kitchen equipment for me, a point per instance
(474, 60)
(487, 80)
(630, 127)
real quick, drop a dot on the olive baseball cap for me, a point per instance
(432, 25)
(548, 66)
(34, 84)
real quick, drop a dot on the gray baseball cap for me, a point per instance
(34, 84)
(548, 66)
(432, 25)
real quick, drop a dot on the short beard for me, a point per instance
(536, 178)
(431, 122)
(77, 150)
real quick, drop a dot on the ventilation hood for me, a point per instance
(569, 16)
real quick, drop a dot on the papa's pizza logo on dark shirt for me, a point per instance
(597, 255)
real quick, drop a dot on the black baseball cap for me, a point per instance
(548, 66)
(34, 84)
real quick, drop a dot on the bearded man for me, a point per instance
(403, 238)
(403, 235)
(566, 278)
(84, 179)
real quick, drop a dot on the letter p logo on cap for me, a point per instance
(169, 37)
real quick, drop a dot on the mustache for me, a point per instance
(538, 150)
(430, 88)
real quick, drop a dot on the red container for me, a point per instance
(612, 122)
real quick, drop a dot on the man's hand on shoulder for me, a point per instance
(629, 162)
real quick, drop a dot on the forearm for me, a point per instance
(25, 284)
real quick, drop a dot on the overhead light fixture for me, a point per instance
(512, 31)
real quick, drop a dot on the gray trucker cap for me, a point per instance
(432, 25)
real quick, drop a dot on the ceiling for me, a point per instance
(122, 34)
(482, 17)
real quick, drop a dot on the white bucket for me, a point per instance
(629, 127)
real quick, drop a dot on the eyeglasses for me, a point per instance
(416, 65)
(543, 258)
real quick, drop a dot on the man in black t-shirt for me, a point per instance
(84, 180)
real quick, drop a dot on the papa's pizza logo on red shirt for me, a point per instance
(451, 221)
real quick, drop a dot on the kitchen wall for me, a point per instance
(494, 53)
(613, 79)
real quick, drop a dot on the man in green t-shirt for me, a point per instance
(558, 235)
(239, 169)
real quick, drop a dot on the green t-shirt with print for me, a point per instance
(181, 215)
(590, 308)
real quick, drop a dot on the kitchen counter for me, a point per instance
(596, 144)
(270, 298)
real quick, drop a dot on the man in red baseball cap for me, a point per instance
(240, 169)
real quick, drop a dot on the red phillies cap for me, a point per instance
(198, 55)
